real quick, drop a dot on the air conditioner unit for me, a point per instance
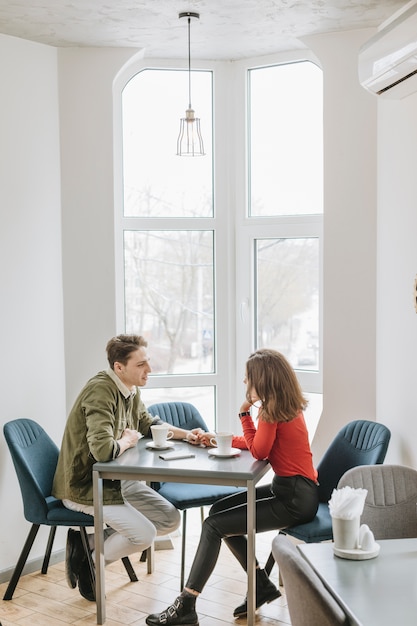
(388, 61)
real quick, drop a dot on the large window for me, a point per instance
(169, 295)
(287, 298)
(157, 183)
(286, 140)
(168, 236)
(283, 225)
(207, 271)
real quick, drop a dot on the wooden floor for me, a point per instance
(46, 600)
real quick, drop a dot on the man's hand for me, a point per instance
(128, 439)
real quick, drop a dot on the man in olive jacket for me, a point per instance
(107, 418)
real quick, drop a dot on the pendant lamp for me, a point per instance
(190, 141)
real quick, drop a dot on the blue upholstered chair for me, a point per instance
(35, 456)
(182, 495)
(360, 442)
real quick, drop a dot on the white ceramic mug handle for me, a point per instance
(213, 442)
(170, 434)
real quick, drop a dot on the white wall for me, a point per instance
(350, 217)
(397, 268)
(31, 328)
(86, 112)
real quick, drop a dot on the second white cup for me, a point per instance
(160, 434)
(223, 441)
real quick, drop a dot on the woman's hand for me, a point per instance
(205, 439)
(194, 436)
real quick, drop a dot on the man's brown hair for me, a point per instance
(120, 348)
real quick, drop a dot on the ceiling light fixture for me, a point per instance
(190, 141)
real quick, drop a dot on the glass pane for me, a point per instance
(157, 182)
(169, 297)
(202, 398)
(287, 298)
(286, 140)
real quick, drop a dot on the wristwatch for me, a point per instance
(244, 414)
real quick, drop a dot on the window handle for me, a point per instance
(244, 305)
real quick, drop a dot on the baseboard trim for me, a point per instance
(35, 565)
(161, 543)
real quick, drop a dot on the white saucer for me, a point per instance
(357, 555)
(152, 446)
(215, 452)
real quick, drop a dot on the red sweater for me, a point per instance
(284, 444)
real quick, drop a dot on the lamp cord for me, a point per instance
(189, 65)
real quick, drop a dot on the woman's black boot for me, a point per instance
(265, 592)
(180, 613)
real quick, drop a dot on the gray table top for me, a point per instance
(203, 467)
(377, 592)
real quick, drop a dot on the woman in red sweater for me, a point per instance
(281, 437)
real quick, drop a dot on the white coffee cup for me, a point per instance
(345, 533)
(160, 434)
(223, 441)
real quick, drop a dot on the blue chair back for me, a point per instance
(180, 414)
(360, 442)
(34, 456)
(183, 495)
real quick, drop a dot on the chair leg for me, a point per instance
(184, 531)
(21, 562)
(269, 564)
(48, 551)
(129, 568)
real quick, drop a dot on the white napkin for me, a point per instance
(347, 503)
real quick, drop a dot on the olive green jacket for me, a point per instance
(98, 418)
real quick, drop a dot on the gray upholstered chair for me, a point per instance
(390, 505)
(309, 602)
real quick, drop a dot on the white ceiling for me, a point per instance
(227, 29)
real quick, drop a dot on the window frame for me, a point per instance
(234, 231)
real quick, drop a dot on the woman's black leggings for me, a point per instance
(286, 502)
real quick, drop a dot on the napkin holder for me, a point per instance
(345, 533)
(351, 541)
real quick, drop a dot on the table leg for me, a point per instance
(99, 547)
(251, 522)
(150, 559)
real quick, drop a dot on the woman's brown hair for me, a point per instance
(272, 378)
